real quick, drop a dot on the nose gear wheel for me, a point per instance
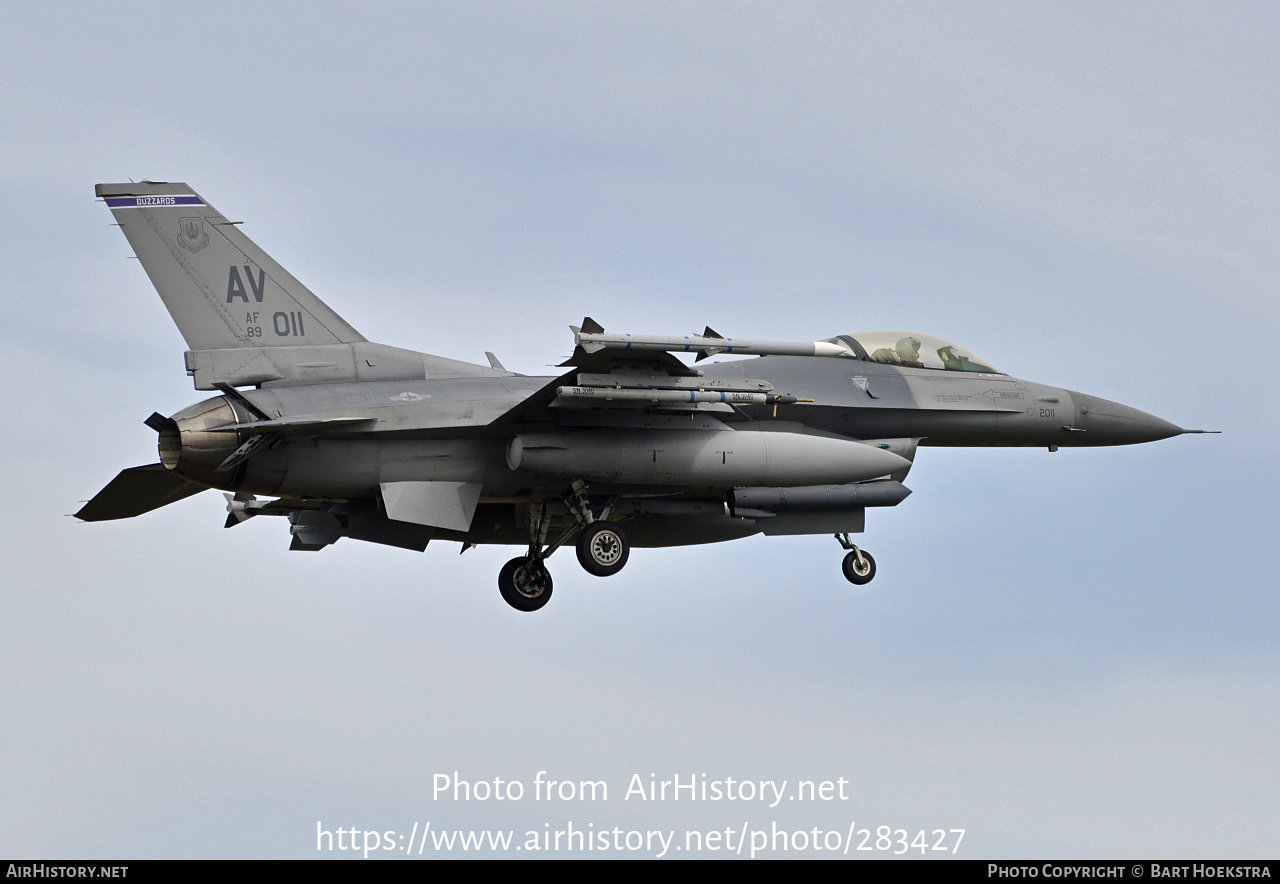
(858, 566)
(859, 572)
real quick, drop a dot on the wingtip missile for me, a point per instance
(589, 327)
(701, 345)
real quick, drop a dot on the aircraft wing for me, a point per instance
(629, 372)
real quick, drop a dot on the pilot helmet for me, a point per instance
(908, 349)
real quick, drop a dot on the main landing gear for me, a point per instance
(602, 549)
(602, 546)
(858, 566)
(525, 583)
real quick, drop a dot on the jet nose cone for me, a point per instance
(1110, 423)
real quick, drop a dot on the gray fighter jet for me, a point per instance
(631, 446)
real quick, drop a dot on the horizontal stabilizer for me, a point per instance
(135, 491)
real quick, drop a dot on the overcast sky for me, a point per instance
(1069, 654)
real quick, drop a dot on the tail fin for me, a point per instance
(220, 288)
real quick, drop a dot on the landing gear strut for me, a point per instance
(858, 566)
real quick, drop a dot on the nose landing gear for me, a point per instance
(858, 566)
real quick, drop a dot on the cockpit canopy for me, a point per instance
(912, 351)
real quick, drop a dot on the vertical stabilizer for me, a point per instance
(220, 288)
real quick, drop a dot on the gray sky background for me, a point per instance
(1070, 654)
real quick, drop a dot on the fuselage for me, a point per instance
(869, 400)
(443, 430)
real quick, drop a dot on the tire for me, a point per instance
(524, 587)
(851, 571)
(603, 549)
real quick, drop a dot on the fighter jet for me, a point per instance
(630, 447)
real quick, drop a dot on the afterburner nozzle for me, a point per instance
(196, 440)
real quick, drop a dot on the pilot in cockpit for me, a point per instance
(905, 352)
